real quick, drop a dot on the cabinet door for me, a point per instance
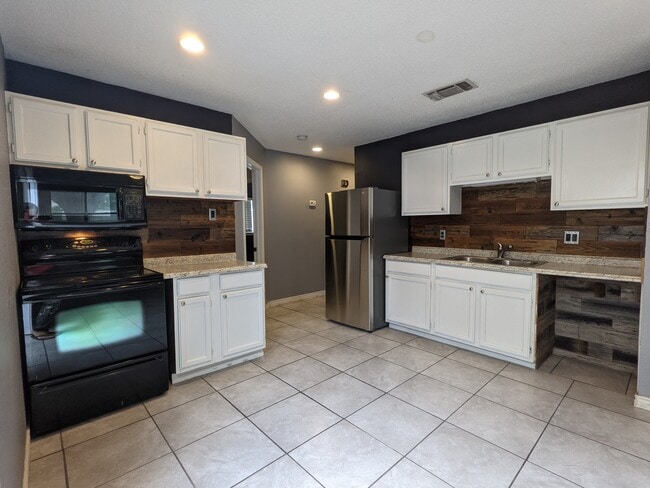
(408, 301)
(454, 310)
(46, 132)
(194, 332)
(115, 142)
(172, 160)
(224, 166)
(242, 321)
(523, 153)
(600, 160)
(504, 321)
(471, 161)
(425, 187)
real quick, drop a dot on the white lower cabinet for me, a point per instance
(242, 321)
(408, 294)
(492, 312)
(455, 310)
(218, 321)
(504, 321)
(194, 338)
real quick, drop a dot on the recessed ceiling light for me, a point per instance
(192, 43)
(331, 95)
(302, 137)
(425, 36)
(317, 149)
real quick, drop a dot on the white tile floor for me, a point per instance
(332, 406)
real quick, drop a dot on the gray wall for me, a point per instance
(294, 233)
(12, 410)
(254, 149)
(643, 371)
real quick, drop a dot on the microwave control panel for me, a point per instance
(133, 204)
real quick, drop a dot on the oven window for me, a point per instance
(73, 334)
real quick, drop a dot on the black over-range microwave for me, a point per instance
(65, 199)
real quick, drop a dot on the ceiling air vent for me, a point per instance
(450, 90)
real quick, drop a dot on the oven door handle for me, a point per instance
(94, 291)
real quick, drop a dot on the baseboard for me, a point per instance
(280, 301)
(27, 459)
(642, 402)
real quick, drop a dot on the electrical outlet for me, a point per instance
(572, 237)
(312, 203)
(443, 234)
(212, 214)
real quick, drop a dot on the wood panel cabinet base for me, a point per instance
(211, 368)
(462, 345)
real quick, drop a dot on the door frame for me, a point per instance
(258, 215)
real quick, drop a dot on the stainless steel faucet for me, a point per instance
(501, 250)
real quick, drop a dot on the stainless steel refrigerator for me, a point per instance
(361, 226)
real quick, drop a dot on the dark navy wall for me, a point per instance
(379, 163)
(55, 85)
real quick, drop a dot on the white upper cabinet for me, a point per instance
(178, 161)
(506, 156)
(523, 153)
(182, 161)
(173, 167)
(224, 166)
(600, 160)
(471, 160)
(45, 132)
(425, 187)
(115, 142)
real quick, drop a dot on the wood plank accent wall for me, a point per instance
(180, 227)
(598, 320)
(519, 214)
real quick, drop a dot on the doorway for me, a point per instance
(250, 216)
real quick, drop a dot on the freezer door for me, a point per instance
(348, 283)
(349, 212)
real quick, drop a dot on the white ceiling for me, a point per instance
(268, 62)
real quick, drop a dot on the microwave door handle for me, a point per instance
(120, 205)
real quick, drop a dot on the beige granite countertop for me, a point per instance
(199, 265)
(589, 267)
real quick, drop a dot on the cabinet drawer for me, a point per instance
(231, 281)
(496, 278)
(193, 286)
(404, 267)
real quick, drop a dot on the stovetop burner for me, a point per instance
(61, 264)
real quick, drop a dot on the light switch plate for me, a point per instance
(572, 237)
(212, 214)
(443, 234)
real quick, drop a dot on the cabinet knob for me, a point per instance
(487, 174)
(93, 162)
(471, 288)
(442, 208)
(209, 191)
(225, 296)
(482, 291)
(74, 160)
(556, 204)
(183, 303)
(196, 191)
(499, 173)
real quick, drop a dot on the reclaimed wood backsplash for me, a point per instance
(519, 214)
(598, 320)
(180, 227)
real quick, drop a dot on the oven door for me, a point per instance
(66, 333)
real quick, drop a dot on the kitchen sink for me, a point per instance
(498, 261)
